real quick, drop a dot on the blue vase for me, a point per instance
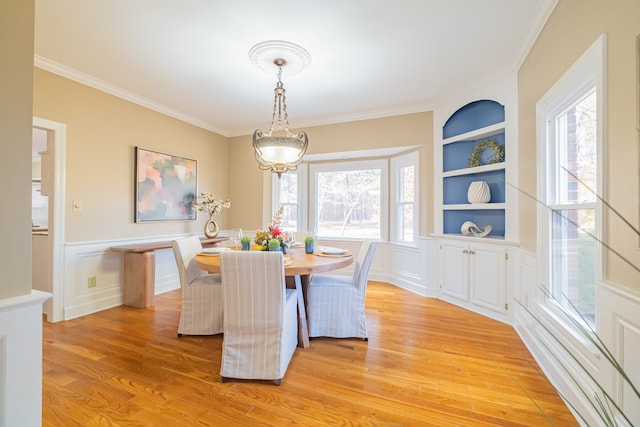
(246, 246)
(308, 248)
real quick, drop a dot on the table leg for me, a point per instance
(301, 284)
(139, 279)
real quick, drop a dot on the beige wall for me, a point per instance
(247, 187)
(572, 28)
(102, 131)
(16, 87)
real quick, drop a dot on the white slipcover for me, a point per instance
(201, 292)
(260, 316)
(335, 304)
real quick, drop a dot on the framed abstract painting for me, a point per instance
(165, 186)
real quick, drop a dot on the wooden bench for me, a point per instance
(140, 270)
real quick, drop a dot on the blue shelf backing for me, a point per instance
(474, 115)
(453, 220)
(456, 155)
(455, 187)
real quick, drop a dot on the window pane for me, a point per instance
(406, 232)
(290, 217)
(288, 183)
(573, 260)
(349, 204)
(577, 152)
(288, 188)
(408, 184)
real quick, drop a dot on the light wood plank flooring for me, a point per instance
(427, 363)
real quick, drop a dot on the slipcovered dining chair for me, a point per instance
(260, 316)
(335, 304)
(201, 312)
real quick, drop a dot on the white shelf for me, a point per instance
(488, 239)
(484, 132)
(474, 206)
(477, 169)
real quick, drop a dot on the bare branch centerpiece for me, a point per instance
(207, 203)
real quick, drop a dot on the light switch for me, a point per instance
(77, 205)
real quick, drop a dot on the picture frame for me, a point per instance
(165, 187)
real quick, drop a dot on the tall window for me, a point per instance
(348, 200)
(404, 185)
(287, 192)
(573, 204)
(570, 120)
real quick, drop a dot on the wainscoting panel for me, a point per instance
(404, 270)
(167, 278)
(88, 260)
(525, 287)
(94, 261)
(618, 327)
(21, 359)
(619, 322)
(409, 267)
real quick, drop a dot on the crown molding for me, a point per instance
(71, 74)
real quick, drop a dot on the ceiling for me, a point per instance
(189, 59)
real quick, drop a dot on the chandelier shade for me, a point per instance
(278, 149)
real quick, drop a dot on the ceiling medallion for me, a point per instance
(263, 54)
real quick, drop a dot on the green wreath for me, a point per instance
(476, 155)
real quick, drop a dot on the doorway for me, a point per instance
(52, 184)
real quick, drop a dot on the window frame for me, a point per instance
(382, 164)
(397, 163)
(586, 74)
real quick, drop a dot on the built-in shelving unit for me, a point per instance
(470, 125)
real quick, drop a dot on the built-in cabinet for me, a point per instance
(473, 149)
(474, 273)
(476, 145)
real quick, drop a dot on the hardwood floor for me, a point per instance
(427, 363)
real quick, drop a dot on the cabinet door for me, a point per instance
(454, 264)
(487, 270)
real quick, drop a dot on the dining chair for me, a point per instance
(335, 304)
(260, 316)
(201, 312)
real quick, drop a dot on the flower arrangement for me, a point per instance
(208, 203)
(273, 231)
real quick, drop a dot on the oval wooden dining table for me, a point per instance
(299, 266)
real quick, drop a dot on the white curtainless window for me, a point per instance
(570, 123)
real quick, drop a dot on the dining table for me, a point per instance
(298, 269)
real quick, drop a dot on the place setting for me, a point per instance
(215, 251)
(329, 251)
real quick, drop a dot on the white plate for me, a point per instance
(331, 251)
(214, 251)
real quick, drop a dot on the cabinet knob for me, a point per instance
(464, 251)
(472, 252)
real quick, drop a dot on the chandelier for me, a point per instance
(279, 150)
